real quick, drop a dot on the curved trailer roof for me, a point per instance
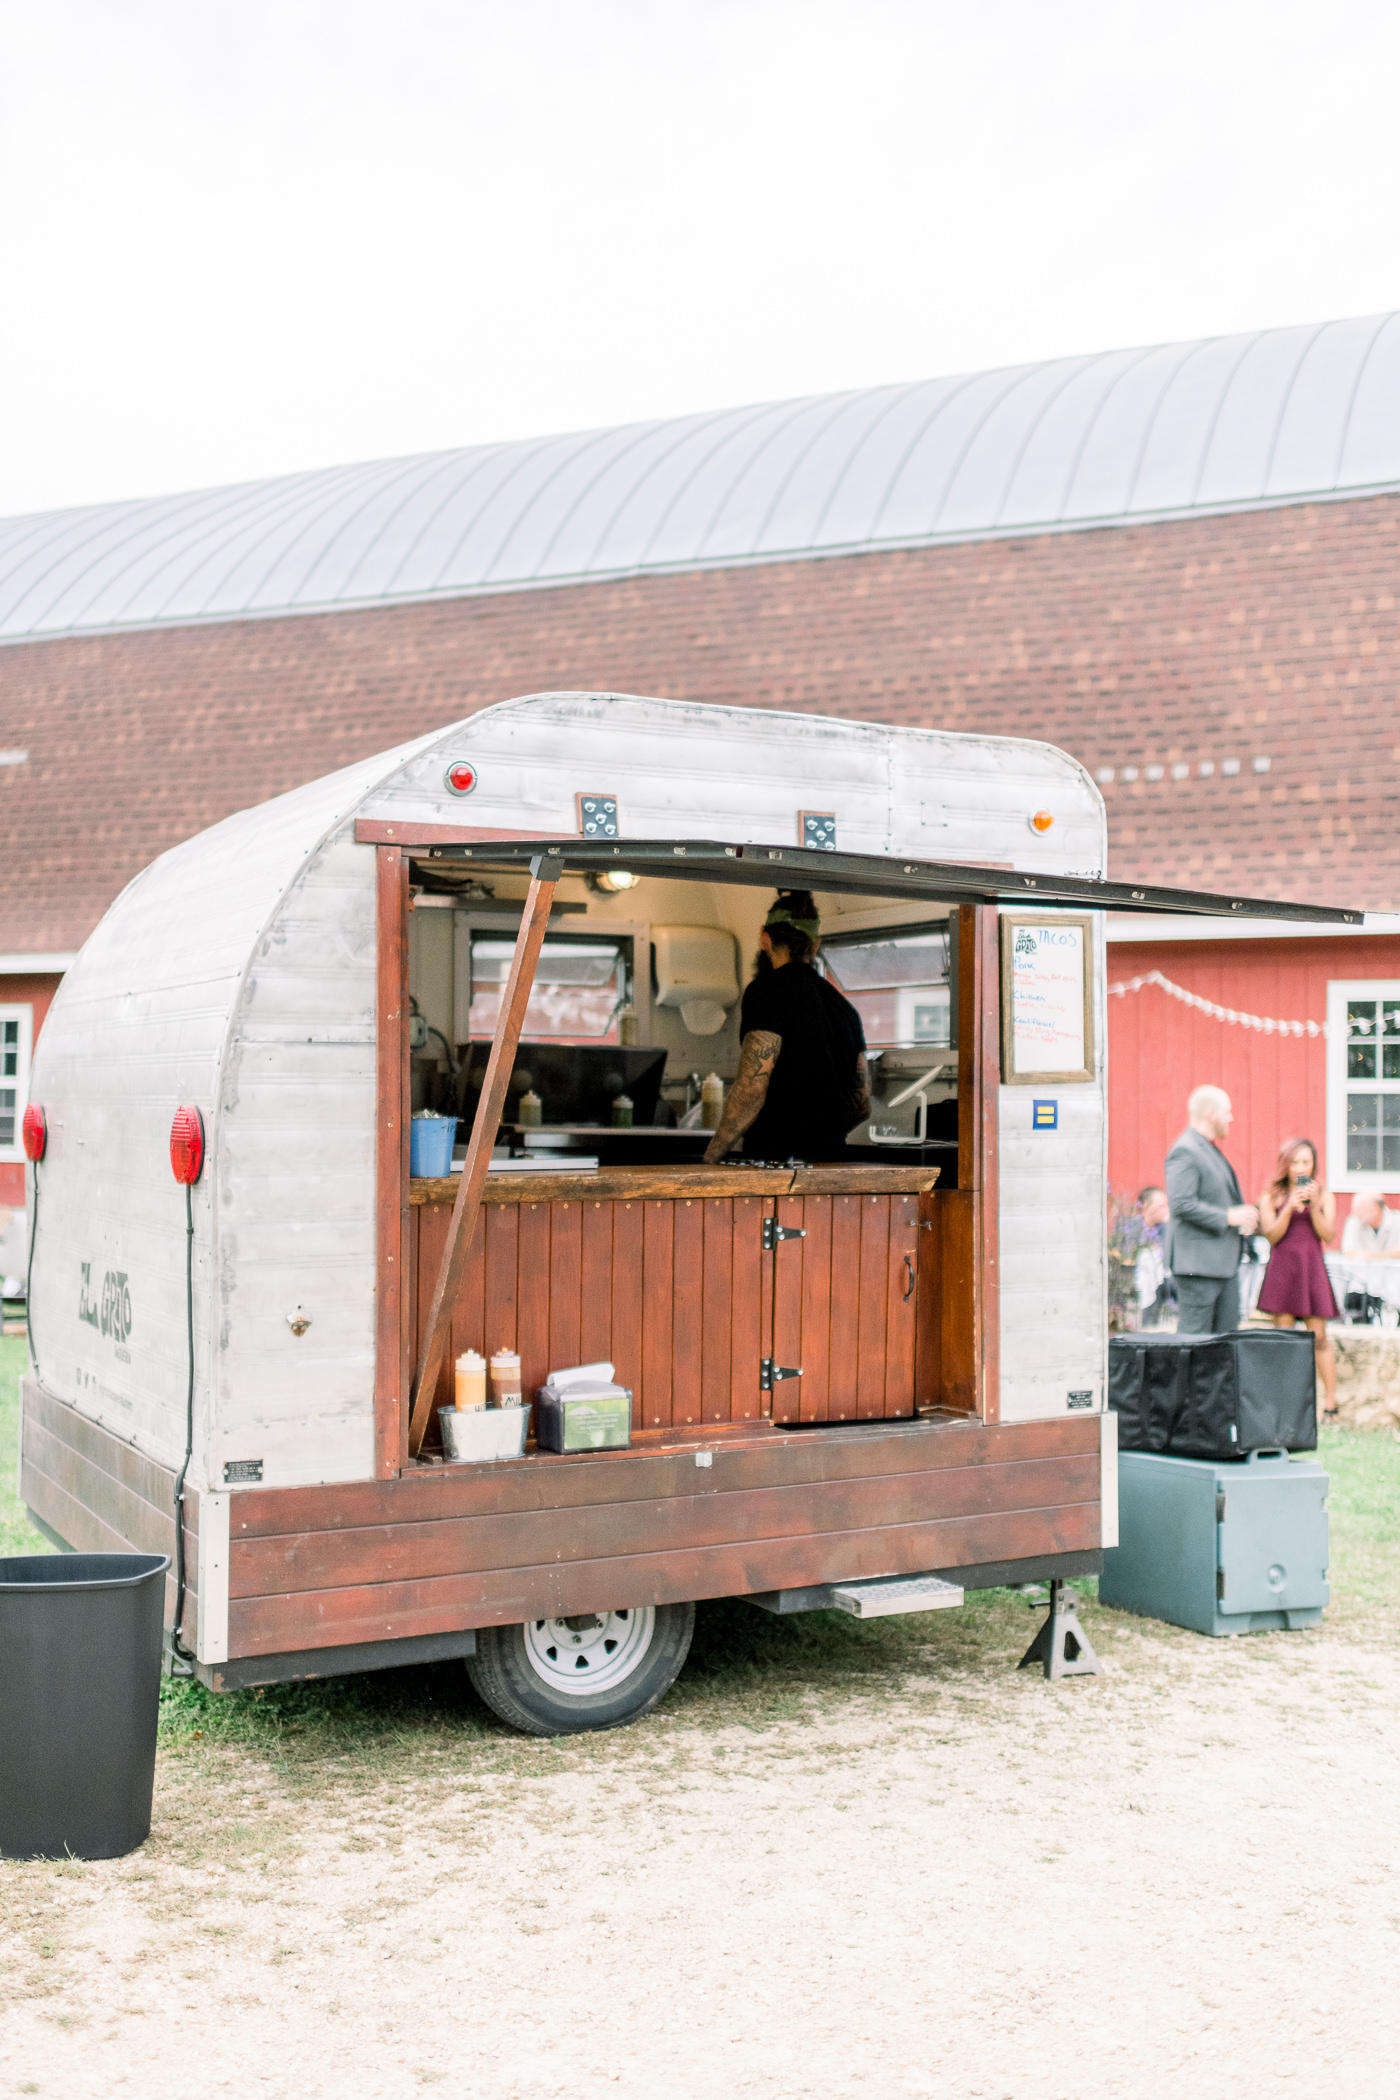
(1276, 416)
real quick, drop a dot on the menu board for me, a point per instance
(1046, 1004)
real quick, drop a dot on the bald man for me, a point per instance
(1209, 1221)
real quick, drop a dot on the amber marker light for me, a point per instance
(1040, 821)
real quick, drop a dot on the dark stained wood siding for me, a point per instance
(442, 1548)
(100, 1494)
(446, 1548)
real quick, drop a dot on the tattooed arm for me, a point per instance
(860, 1099)
(758, 1053)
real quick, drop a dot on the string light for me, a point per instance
(1218, 1013)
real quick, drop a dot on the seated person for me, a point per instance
(1156, 1293)
(1371, 1232)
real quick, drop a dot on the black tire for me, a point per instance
(526, 1674)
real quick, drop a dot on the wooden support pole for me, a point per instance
(545, 870)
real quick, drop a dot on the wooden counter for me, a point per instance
(627, 1184)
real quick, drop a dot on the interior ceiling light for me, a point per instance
(613, 881)
(461, 776)
(36, 1132)
(1040, 821)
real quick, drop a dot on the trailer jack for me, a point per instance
(1061, 1644)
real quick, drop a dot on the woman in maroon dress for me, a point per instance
(1299, 1219)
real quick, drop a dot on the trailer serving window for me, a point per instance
(579, 988)
(898, 981)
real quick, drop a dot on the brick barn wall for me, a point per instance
(1158, 1048)
(1271, 632)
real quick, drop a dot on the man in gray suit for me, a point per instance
(1208, 1219)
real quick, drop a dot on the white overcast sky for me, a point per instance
(242, 237)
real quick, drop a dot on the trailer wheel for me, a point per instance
(592, 1670)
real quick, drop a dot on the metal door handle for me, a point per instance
(909, 1265)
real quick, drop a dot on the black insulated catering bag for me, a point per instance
(1147, 1388)
(1215, 1395)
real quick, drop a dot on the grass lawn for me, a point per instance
(17, 1534)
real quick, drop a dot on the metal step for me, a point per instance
(888, 1594)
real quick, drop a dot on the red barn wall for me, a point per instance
(1159, 1048)
(23, 991)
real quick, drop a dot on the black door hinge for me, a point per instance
(773, 1232)
(769, 1373)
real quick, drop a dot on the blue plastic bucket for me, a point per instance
(430, 1145)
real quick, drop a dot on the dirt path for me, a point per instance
(939, 1878)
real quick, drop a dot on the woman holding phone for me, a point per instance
(1299, 1218)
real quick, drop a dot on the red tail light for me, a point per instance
(36, 1132)
(187, 1146)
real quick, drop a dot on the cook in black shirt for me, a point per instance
(803, 1081)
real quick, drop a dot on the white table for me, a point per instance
(1380, 1279)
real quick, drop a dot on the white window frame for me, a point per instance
(1339, 994)
(24, 1014)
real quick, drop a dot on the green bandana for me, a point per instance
(780, 915)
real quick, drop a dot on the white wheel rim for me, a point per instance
(591, 1652)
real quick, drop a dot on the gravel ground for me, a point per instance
(937, 1878)
(841, 1858)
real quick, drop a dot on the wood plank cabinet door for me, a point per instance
(844, 1298)
(672, 1291)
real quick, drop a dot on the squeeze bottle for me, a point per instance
(505, 1378)
(471, 1380)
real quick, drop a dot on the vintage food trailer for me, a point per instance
(889, 1366)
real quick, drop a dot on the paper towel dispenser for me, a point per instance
(696, 972)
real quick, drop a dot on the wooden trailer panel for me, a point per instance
(99, 1494)
(448, 1548)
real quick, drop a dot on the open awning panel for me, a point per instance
(865, 874)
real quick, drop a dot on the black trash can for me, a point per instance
(80, 1653)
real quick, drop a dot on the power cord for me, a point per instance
(29, 1277)
(178, 1650)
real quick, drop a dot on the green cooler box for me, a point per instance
(1220, 1545)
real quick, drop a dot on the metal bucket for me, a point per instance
(472, 1435)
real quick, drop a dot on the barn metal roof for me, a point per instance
(1229, 423)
